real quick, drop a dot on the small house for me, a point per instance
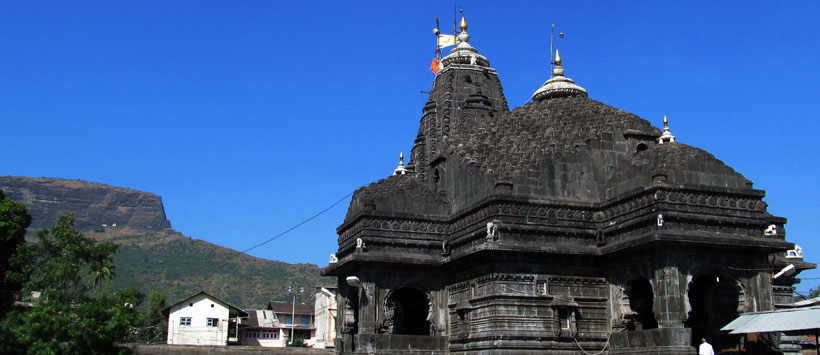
(297, 318)
(203, 319)
(262, 328)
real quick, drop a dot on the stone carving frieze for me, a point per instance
(461, 286)
(461, 234)
(505, 277)
(410, 226)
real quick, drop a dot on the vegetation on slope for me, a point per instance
(180, 267)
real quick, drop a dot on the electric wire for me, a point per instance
(159, 276)
(299, 224)
(608, 338)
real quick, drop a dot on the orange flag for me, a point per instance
(434, 66)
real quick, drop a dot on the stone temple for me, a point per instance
(564, 226)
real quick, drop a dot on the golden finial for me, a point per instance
(463, 25)
(557, 58)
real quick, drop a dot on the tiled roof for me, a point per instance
(288, 307)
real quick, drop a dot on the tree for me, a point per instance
(13, 223)
(67, 319)
(156, 324)
(814, 292)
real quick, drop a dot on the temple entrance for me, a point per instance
(407, 310)
(641, 301)
(714, 302)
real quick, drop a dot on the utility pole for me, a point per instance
(293, 312)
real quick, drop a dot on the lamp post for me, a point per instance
(293, 312)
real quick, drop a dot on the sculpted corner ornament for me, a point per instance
(360, 245)
(623, 315)
(445, 248)
(492, 231)
(771, 230)
(660, 220)
(389, 317)
(333, 259)
(797, 252)
(430, 307)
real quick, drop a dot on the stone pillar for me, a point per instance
(345, 319)
(367, 309)
(669, 298)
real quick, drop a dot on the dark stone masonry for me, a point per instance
(563, 226)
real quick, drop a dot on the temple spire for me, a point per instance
(667, 136)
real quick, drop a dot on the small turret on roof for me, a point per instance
(400, 170)
(667, 136)
(558, 85)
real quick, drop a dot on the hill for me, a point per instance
(152, 255)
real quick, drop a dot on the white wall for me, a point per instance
(325, 319)
(199, 308)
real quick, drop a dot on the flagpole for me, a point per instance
(455, 18)
(552, 47)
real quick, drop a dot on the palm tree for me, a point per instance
(101, 272)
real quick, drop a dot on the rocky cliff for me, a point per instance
(153, 256)
(93, 204)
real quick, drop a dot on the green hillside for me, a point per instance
(152, 255)
(180, 266)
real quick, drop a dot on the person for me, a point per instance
(705, 348)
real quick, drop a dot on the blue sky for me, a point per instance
(249, 116)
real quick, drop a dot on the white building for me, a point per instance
(202, 319)
(325, 314)
(262, 328)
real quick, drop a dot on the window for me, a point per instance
(305, 320)
(212, 322)
(288, 320)
(184, 320)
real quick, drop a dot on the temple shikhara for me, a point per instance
(562, 226)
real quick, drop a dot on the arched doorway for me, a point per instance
(407, 309)
(713, 302)
(641, 301)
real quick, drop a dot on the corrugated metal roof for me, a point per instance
(262, 318)
(808, 302)
(776, 321)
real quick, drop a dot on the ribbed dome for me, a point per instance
(558, 85)
(464, 53)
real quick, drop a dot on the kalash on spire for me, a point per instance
(558, 85)
(463, 53)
